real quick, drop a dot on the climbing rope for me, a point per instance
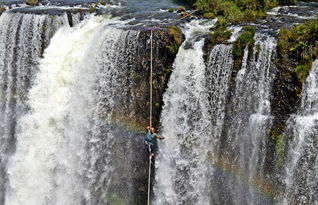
(149, 176)
(150, 119)
(150, 82)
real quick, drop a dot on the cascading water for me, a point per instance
(66, 145)
(250, 119)
(184, 164)
(181, 170)
(301, 181)
(63, 138)
(201, 135)
(22, 40)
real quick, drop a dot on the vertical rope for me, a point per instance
(150, 118)
(149, 176)
(150, 82)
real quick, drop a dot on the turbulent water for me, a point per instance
(58, 113)
(22, 41)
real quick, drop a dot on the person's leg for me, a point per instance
(154, 149)
(148, 146)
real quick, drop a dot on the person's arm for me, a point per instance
(160, 137)
(148, 134)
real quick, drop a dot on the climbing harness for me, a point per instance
(150, 119)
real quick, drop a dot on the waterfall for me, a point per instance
(300, 177)
(248, 123)
(66, 145)
(211, 128)
(74, 103)
(180, 166)
(23, 38)
(186, 156)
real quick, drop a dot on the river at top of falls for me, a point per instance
(134, 5)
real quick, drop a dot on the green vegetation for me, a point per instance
(102, 2)
(300, 45)
(177, 36)
(32, 2)
(277, 130)
(208, 15)
(92, 9)
(157, 104)
(169, 69)
(113, 199)
(237, 11)
(280, 149)
(2, 9)
(280, 142)
(246, 39)
(221, 33)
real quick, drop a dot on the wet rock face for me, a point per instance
(130, 149)
(286, 91)
(163, 58)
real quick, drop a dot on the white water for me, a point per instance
(22, 39)
(184, 125)
(250, 118)
(41, 142)
(301, 165)
(184, 165)
(194, 123)
(67, 144)
(60, 141)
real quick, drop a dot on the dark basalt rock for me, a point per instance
(163, 58)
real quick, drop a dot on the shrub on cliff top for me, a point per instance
(245, 39)
(238, 11)
(178, 37)
(32, 2)
(300, 44)
(2, 9)
(102, 2)
(176, 33)
(221, 33)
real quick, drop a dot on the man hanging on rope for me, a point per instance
(151, 141)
